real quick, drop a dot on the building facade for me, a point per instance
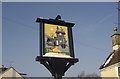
(9, 73)
(111, 66)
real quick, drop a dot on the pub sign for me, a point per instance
(56, 38)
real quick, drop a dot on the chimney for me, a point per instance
(115, 39)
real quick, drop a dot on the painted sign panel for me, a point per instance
(56, 41)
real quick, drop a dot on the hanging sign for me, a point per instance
(56, 38)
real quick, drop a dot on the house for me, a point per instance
(111, 66)
(10, 73)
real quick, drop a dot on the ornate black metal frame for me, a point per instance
(57, 66)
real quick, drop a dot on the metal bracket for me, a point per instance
(57, 66)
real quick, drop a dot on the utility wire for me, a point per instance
(93, 47)
(17, 22)
(29, 26)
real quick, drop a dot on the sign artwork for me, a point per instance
(56, 41)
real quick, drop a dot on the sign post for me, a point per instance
(56, 46)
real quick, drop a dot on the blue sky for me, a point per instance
(0, 34)
(59, 0)
(94, 22)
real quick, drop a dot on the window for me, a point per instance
(119, 71)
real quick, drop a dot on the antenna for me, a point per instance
(118, 13)
(118, 8)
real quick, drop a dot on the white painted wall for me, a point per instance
(11, 73)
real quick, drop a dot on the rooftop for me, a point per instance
(113, 58)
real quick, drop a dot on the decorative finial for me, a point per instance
(115, 29)
(58, 17)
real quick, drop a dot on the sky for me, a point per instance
(59, 0)
(0, 34)
(94, 22)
